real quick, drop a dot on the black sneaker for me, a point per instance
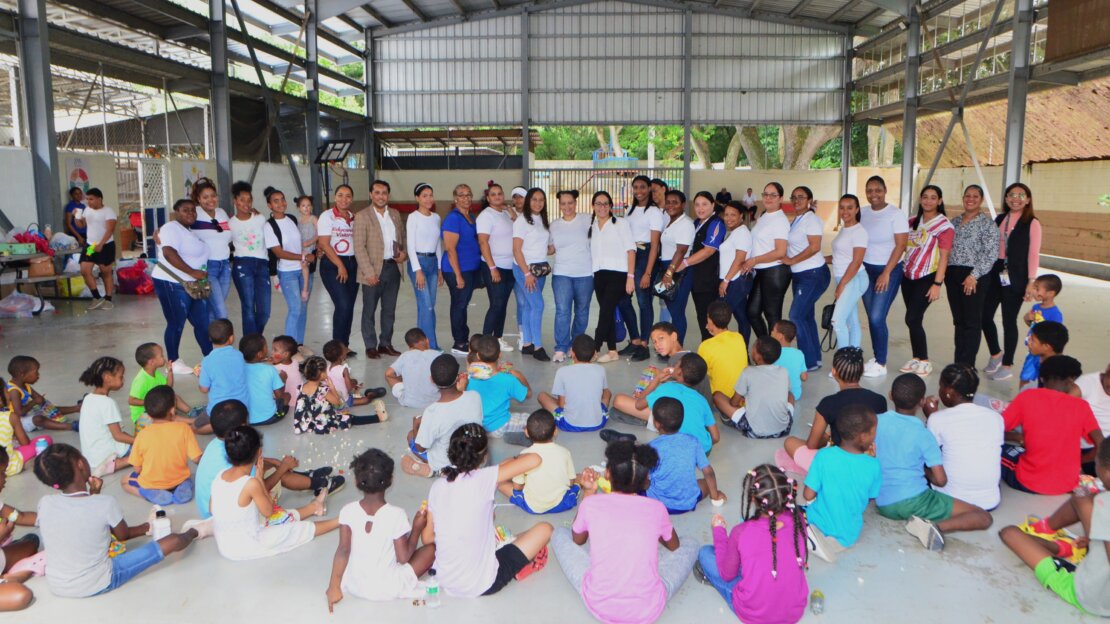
(527, 349)
(621, 417)
(629, 349)
(612, 435)
(541, 355)
(374, 393)
(699, 574)
(351, 354)
(335, 484)
(640, 354)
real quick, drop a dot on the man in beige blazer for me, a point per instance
(379, 241)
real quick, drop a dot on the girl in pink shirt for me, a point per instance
(759, 568)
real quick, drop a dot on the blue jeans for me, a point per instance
(677, 306)
(292, 285)
(877, 305)
(498, 293)
(252, 281)
(737, 298)
(177, 307)
(645, 297)
(343, 296)
(460, 300)
(808, 288)
(531, 304)
(572, 294)
(132, 563)
(426, 297)
(219, 276)
(708, 560)
(846, 312)
(179, 495)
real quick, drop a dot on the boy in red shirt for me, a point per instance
(1052, 423)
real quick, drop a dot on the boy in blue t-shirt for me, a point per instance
(673, 481)
(1046, 287)
(497, 389)
(697, 415)
(903, 445)
(223, 372)
(841, 481)
(792, 359)
(267, 399)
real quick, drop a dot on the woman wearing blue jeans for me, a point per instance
(735, 286)
(531, 246)
(848, 249)
(283, 239)
(182, 257)
(213, 226)
(572, 280)
(459, 265)
(250, 270)
(426, 250)
(888, 233)
(809, 273)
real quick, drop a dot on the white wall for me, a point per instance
(16, 178)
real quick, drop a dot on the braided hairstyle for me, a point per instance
(373, 471)
(629, 466)
(314, 368)
(848, 364)
(467, 450)
(962, 379)
(769, 492)
(95, 373)
(56, 466)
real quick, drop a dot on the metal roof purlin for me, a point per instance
(376, 15)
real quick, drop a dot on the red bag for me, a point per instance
(133, 280)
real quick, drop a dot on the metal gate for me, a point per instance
(154, 193)
(618, 182)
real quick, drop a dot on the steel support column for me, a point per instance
(846, 124)
(369, 143)
(220, 99)
(909, 118)
(312, 109)
(38, 95)
(525, 101)
(687, 97)
(1018, 92)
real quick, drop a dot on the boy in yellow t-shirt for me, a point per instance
(161, 453)
(553, 486)
(726, 353)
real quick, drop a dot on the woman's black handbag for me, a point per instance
(828, 341)
(667, 293)
(540, 269)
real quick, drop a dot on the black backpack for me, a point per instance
(277, 232)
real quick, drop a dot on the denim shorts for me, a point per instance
(132, 563)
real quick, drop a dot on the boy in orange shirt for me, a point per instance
(161, 453)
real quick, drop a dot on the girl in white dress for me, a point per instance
(241, 503)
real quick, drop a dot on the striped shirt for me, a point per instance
(925, 242)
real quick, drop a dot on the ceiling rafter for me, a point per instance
(411, 6)
(376, 15)
(844, 10)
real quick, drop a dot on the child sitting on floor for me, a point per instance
(697, 416)
(103, 441)
(282, 352)
(673, 481)
(267, 400)
(496, 390)
(223, 372)
(431, 431)
(319, 408)
(409, 377)
(460, 520)
(903, 445)
(586, 408)
(841, 481)
(1045, 290)
(12, 551)
(553, 486)
(1046, 339)
(762, 405)
(791, 358)
(241, 503)
(1086, 586)
(340, 380)
(759, 567)
(78, 524)
(664, 337)
(725, 353)
(161, 453)
(31, 408)
(154, 372)
(1045, 457)
(379, 555)
(18, 454)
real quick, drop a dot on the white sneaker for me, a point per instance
(874, 369)
(910, 367)
(505, 347)
(203, 527)
(559, 357)
(924, 368)
(181, 368)
(926, 532)
(609, 356)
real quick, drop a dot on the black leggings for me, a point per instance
(967, 313)
(701, 309)
(371, 419)
(609, 290)
(915, 294)
(1010, 298)
(766, 298)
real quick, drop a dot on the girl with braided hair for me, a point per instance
(379, 555)
(759, 567)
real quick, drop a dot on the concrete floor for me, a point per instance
(886, 576)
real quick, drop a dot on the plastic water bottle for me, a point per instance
(161, 526)
(817, 602)
(40, 445)
(432, 599)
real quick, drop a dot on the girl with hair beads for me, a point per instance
(241, 503)
(754, 567)
(623, 577)
(104, 443)
(468, 560)
(319, 408)
(387, 557)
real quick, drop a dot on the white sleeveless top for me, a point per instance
(242, 533)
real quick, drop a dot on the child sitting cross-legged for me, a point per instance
(409, 377)
(762, 405)
(379, 555)
(320, 409)
(551, 487)
(103, 441)
(340, 380)
(267, 400)
(78, 524)
(579, 397)
(19, 454)
(725, 353)
(673, 481)
(154, 372)
(903, 446)
(1039, 546)
(161, 453)
(497, 388)
(431, 431)
(15, 553)
(759, 567)
(841, 481)
(282, 351)
(31, 408)
(1046, 339)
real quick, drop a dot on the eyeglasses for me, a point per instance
(797, 198)
(603, 204)
(771, 195)
(1016, 196)
(466, 195)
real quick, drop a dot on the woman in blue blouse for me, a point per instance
(459, 266)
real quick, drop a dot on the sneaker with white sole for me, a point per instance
(993, 364)
(816, 543)
(202, 527)
(1002, 374)
(924, 368)
(926, 532)
(607, 357)
(910, 367)
(559, 357)
(181, 368)
(95, 305)
(107, 305)
(874, 369)
(505, 347)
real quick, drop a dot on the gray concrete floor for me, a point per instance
(887, 575)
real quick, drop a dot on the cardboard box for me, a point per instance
(42, 267)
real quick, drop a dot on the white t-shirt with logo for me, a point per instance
(771, 227)
(805, 225)
(249, 237)
(498, 225)
(339, 229)
(881, 227)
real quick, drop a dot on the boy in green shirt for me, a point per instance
(153, 372)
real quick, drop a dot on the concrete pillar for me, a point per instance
(1018, 92)
(312, 108)
(220, 100)
(909, 118)
(38, 96)
(525, 101)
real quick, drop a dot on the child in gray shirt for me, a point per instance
(762, 406)
(579, 398)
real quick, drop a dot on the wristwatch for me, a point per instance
(938, 283)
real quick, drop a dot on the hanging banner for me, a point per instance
(190, 173)
(77, 172)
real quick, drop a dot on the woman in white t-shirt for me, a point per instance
(338, 269)
(283, 240)
(182, 257)
(531, 246)
(214, 228)
(848, 249)
(674, 244)
(772, 277)
(572, 279)
(808, 272)
(613, 260)
(495, 241)
(425, 253)
(736, 284)
(250, 270)
(645, 219)
(888, 233)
